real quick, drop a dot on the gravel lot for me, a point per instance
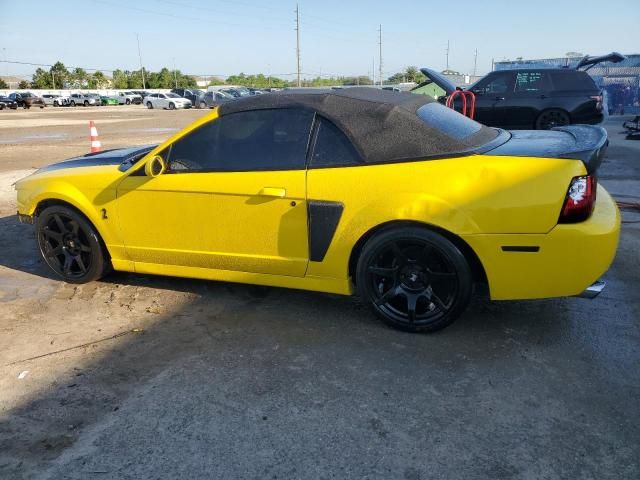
(148, 377)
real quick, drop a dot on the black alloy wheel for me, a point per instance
(70, 245)
(415, 279)
(552, 118)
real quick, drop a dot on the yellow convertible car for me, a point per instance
(388, 194)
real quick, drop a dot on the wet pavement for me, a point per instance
(148, 377)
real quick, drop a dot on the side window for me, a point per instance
(532, 82)
(499, 83)
(274, 139)
(332, 147)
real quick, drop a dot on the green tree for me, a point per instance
(60, 75)
(119, 80)
(24, 85)
(97, 80)
(3, 84)
(41, 79)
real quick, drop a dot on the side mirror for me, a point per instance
(155, 167)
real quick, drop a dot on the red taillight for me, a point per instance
(580, 199)
(598, 99)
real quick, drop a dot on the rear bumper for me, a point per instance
(563, 262)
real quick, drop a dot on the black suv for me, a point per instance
(533, 98)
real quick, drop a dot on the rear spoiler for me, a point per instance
(591, 143)
(587, 143)
(587, 61)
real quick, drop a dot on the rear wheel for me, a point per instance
(149, 105)
(414, 279)
(70, 245)
(552, 118)
(86, 103)
(203, 105)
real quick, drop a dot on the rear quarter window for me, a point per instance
(448, 121)
(572, 80)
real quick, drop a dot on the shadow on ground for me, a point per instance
(253, 382)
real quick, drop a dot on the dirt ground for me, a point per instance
(147, 377)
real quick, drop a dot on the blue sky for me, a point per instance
(223, 37)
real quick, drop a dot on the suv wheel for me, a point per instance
(73, 103)
(552, 118)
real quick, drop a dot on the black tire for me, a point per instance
(415, 280)
(172, 106)
(203, 104)
(149, 105)
(553, 117)
(1, 106)
(86, 103)
(73, 103)
(70, 245)
(127, 102)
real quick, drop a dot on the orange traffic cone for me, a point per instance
(93, 136)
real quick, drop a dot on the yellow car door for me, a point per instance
(232, 198)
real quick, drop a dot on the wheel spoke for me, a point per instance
(54, 252)
(66, 268)
(412, 302)
(51, 234)
(441, 275)
(80, 263)
(388, 295)
(438, 302)
(74, 227)
(383, 271)
(397, 251)
(85, 248)
(60, 223)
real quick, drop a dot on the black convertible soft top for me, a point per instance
(384, 126)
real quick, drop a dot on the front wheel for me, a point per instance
(149, 105)
(203, 105)
(172, 106)
(552, 118)
(128, 102)
(414, 279)
(73, 103)
(70, 245)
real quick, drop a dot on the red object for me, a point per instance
(464, 94)
(580, 199)
(96, 146)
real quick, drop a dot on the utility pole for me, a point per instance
(373, 71)
(447, 55)
(298, 42)
(53, 80)
(475, 62)
(380, 53)
(144, 85)
(175, 72)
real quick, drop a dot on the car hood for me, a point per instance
(125, 157)
(439, 79)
